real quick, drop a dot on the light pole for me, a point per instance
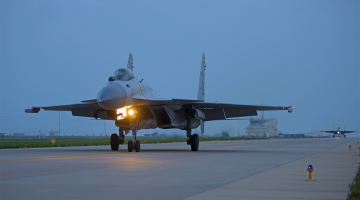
(59, 125)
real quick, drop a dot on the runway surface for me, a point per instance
(257, 169)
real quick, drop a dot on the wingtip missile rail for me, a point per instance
(33, 110)
(290, 109)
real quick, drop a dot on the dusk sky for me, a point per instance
(280, 53)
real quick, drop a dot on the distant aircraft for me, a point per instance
(338, 132)
(134, 105)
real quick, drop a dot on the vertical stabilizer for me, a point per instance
(201, 90)
(130, 62)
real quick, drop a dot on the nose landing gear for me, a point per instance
(116, 140)
(121, 135)
(134, 144)
(130, 146)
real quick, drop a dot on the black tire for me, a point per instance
(194, 142)
(130, 146)
(344, 136)
(137, 146)
(114, 142)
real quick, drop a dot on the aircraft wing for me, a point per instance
(348, 131)
(329, 131)
(221, 111)
(217, 110)
(342, 132)
(88, 108)
(212, 110)
(70, 107)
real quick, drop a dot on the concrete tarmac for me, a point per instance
(257, 169)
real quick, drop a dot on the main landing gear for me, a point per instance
(134, 145)
(116, 140)
(192, 140)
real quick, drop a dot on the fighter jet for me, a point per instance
(133, 105)
(339, 133)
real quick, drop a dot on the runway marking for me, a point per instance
(54, 157)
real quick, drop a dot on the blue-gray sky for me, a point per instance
(301, 53)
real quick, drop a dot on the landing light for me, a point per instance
(131, 112)
(121, 112)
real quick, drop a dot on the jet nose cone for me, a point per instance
(112, 96)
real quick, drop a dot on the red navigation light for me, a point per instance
(283, 108)
(320, 131)
(292, 106)
(40, 108)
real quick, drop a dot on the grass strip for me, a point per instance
(354, 187)
(84, 141)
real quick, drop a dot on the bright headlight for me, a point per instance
(121, 112)
(131, 112)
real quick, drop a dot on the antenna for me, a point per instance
(104, 127)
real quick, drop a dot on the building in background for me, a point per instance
(18, 134)
(262, 128)
(292, 135)
(54, 133)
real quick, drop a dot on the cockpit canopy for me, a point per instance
(123, 74)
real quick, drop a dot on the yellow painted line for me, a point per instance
(141, 91)
(54, 157)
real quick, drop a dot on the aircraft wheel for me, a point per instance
(137, 145)
(194, 142)
(114, 142)
(130, 146)
(344, 136)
